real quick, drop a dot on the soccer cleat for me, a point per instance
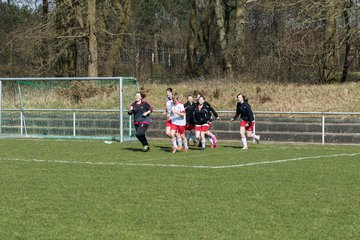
(213, 146)
(146, 148)
(174, 150)
(179, 148)
(257, 139)
(245, 148)
(186, 150)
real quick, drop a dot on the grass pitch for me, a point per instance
(92, 190)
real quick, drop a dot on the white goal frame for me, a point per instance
(119, 79)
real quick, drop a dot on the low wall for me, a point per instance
(281, 129)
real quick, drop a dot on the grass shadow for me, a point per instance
(134, 149)
(164, 148)
(231, 146)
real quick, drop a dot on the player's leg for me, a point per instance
(203, 140)
(178, 139)
(243, 137)
(140, 135)
(181, 131)
(250, 133)
(173, 140)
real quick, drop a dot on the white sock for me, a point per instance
(173, 140)
(243, 140)
(185, 144)
(179, 141)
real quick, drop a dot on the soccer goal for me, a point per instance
(83, 107)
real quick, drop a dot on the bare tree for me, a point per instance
(93, 45)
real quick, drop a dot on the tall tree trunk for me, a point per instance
(93, 45)
(219, 11)
(240, 21)
(125, 14)
(329, 45)
(66, 47)
(191, 43)
(346, 63)
(45, 7)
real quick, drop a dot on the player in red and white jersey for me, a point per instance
(178, 122)
(167, 112)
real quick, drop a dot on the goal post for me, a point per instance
(67, 107)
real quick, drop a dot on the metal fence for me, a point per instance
(315, 127)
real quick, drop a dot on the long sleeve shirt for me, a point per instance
(139, 110)
(244, 111)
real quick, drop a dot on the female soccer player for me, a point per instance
(141, 111)
(178, 122)
(247, 121)
(202, 117)
(169, 105)
(210, 136)
(190, 121)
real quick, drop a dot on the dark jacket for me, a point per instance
(190, 108)
(244, 111)
(212, 110)
(202, 115)
(138, 111)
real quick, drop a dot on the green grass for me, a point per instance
(53, 189)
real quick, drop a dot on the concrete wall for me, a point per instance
(282, 129)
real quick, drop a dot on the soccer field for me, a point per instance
(75, 189)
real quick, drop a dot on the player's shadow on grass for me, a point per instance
(165, 149)
(231, 146)
(134, 149)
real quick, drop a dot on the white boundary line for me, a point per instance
(181, 165)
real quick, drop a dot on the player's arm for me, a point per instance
(251, 114)
(148, 109)
(131, 110)
(216, 115)
(237, 114)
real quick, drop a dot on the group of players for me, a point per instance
(182, 120)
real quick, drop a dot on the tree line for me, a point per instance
(312, 41)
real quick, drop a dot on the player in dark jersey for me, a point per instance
(141, 111)
(190, 121)
(210, 136)
(202, 117)
(247, 121)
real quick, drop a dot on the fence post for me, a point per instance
(21, 123)
(323, 129)
(74, 124)
(0, 107)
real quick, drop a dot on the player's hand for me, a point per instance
(217, 118)
(232, 119)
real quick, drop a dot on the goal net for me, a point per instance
(88, 108)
